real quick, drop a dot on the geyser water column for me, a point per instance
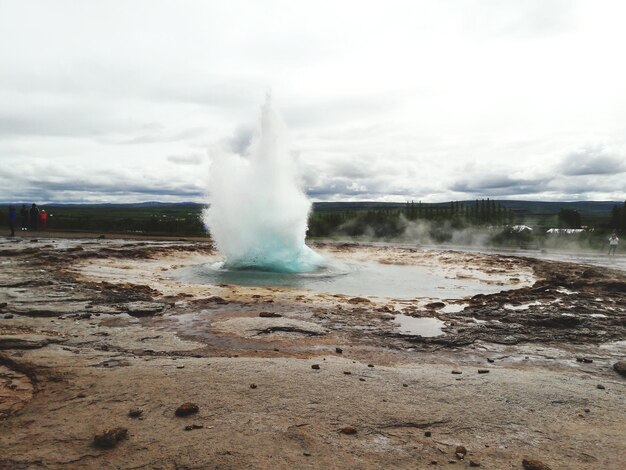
(258, 211)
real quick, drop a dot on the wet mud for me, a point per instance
(92, 329)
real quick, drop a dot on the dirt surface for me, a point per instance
(101, 343)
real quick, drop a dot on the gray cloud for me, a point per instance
(500, 185)
(592, 161)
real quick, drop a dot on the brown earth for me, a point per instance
(92, 329)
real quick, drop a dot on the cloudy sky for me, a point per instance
(125, 101)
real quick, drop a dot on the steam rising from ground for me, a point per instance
(258, 212)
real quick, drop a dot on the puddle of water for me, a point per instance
(427, 327)
(362, 279)
(521, 307)
(453, 308)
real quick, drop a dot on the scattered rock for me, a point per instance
(460, 452)
(600, 387)
(428, 434)
(348, 430)
(135, 413)
(112, 363)
(14, 342)
(253, 386)
(435, 305)
(534, 465)
(483, 371)
(191, 427)
(8, 316)
(187, 409)
(473, 463)
(109, 439)
(347, 372)
(370, 365)
(142, 309)
(315, 366)
(338, 350)
(457, 372)
(586, 360)
(619, 367)
(269, 315)
(361, 379)
(3, 305)
(490, 360)
(405, 385)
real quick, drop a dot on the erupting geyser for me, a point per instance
(258, 212)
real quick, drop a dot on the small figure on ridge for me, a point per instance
(613, 242)
(24, 215)
(34, 217)
(12, 217)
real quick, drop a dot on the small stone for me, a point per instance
(619, 367)
(109, 439)
(600, 387)
(586, 360)
(457, 372)
(187, 409)
(460, 452)
(253, 385)
(269, 315)
(473, 463)
(191, 427)
(428, 434)
(180, 367)
(338, 350)
(483, 371)
(135, 413)
(315, 366)
(405, 385)
(362, 379)
(534, 465)
(347, 372)
(490, 360)
(348, 430)
(370, 365)
(306, 454)
(587, 410)
(433, 462)
(8, 316)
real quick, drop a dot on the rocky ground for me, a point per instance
(101, 343)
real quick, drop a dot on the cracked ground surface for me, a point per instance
(90, 329)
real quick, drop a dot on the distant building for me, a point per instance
(521, 228)
(565, 231)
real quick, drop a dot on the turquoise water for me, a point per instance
(354, 279)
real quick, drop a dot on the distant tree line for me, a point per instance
(618, 218)
(392, 222)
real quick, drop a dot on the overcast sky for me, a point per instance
(126, 101)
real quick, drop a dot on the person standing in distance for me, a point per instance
(12, 217)
(613, 242)
(24, 215)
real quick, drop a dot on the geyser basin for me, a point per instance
(353, 278)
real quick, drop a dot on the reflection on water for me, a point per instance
(354, 279)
